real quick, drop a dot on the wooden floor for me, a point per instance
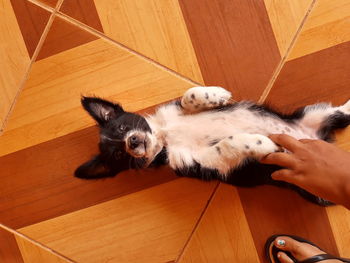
(143, 53)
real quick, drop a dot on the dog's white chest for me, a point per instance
(200, 130)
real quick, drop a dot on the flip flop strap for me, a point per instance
(319, 258)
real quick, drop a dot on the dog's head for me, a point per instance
(126, 140)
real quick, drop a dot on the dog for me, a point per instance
(205, 135)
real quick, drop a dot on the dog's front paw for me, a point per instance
(202, 98)
(260, 146)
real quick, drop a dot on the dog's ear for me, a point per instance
(94, 169)
(101, 110)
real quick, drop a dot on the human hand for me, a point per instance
(314, 165)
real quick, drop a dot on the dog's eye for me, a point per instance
(122, 127)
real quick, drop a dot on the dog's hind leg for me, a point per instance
(198, 99)
(324, 118)
(315, 115)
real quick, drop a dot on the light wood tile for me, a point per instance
(32, 253)
(148, 226)
(327, 26)
(14, 58)
(339, 216)
(223, 234)
(154, 28)
(49, 105)
(286, 16)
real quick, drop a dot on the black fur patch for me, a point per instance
(337, 120)
(251, 174)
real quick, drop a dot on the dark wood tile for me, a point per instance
(271, 210)
(84, 11)
(63, 36)
(32, 20)
(320, 76)
(234, 43)
(37, 183)
(9, 251)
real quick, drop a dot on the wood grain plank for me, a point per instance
(153, 28)
(148, 226)
(234, 43)
(321, 76)
(63, 36)
(328, 25)
(55, 85)
(286, 17)
(339, 218)
(32, 252)
(223, 233)
(32, 20)
(37, 183)
(14, 58)
(9, 250)
(270, 210)
(83, 11)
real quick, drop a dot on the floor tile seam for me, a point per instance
(211, 198)
(29, 67)
(35, 242)
(101, 35)
(279, 67)
(42, 5)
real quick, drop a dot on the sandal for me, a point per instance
(271, 251)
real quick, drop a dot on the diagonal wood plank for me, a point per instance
(339, 218)
(153, 28)
(9, 250)
(32, 21)
(328, 25)
(321, 76)
(53, 90)
(286, 17)
(223, 233)
(234, 43)
(14, 58)
(43, 186)
(32, 252)
(148, 226)
(272, 210)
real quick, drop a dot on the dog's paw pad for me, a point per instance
(261, 146)
(199, 98)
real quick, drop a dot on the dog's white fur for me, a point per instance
(189, 132)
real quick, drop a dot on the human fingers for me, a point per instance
(286, 141)
(306, 140)
(285, 175)
(281, 159)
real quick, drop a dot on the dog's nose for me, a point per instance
(134, 141)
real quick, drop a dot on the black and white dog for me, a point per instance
(203, 135)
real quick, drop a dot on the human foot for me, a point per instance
(290, 249)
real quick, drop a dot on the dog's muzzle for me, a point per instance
(134, 141)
